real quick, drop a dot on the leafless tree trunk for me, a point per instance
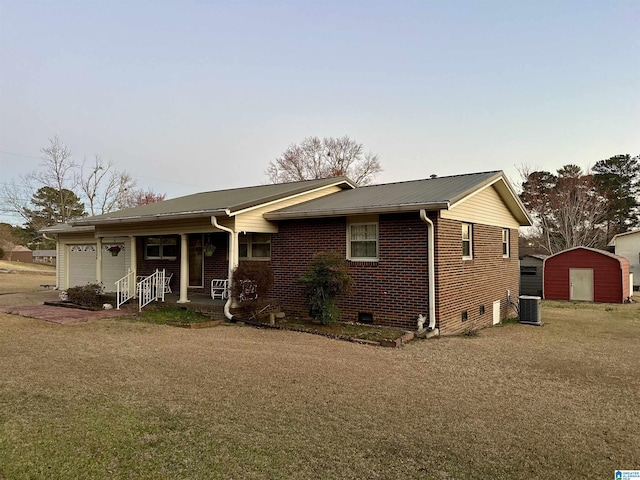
(57, 170)
(103, 186)
(317, 158)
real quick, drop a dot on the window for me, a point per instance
(255, 246)
(362, 241)
(163, 248)
(467, 241)
(505, 242)
(527, 270)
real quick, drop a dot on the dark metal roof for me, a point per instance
(429, 194)
(219, 202)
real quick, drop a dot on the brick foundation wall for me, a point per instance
(395, 289)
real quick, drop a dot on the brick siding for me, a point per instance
(395, 288)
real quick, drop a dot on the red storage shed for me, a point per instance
(587, 274)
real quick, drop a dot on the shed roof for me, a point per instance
(438, 193)
(595, 250)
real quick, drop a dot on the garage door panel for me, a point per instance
(82, 264)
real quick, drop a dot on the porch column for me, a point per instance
(99, 259)
(133, 265)
(184, 268)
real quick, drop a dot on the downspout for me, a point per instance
(233, 249)
(431, 269)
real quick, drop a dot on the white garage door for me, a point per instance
(82, 264)
(113, 268)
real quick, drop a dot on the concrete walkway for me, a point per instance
(62, 315)
(31, 304)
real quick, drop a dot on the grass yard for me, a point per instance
(128, 400)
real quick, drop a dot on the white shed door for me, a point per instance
(82, 265)
(581, 284)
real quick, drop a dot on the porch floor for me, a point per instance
(199, 302)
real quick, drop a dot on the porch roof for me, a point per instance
(438, 193)
(220, 202)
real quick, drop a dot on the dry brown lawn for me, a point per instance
(121, 399)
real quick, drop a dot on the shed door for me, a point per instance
(82, 265)
(581, 284)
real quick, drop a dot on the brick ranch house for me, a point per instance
(444, 248)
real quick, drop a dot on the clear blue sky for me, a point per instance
(192, 96)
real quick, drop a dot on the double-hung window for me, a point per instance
(161, 248)
(362, 241)
(467, 241)
(505, 243)
(254, 246)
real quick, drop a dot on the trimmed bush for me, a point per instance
(327, 276)
(89, 295)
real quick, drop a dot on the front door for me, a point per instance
(196, 264)
(581, 284)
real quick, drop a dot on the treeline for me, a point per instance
(62, 189)
(574, 208)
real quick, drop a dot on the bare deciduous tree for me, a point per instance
(104, 188)
(57, 171)
(569, 208)
(323, 158)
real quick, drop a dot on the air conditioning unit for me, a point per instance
(530, 311)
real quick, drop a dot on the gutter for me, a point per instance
(232, 263)
(432, 278)
(332, 212)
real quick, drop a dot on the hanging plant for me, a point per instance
(115, 250)
(208, 249)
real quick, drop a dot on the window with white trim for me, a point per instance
(467, 241)
(505, 243)
(362, 241)
(161, 248)
(254, 246)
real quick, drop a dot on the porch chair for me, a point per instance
(167, 283)
(219, 288)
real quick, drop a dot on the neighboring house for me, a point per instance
(46, 257)
(22, 254)
(531, 274)
(627, 245)
(445, 248)
(587, 274)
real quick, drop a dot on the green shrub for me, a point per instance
(326, 277)
(89, 295)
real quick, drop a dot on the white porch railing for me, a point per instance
(125, 288)
(151, 289)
